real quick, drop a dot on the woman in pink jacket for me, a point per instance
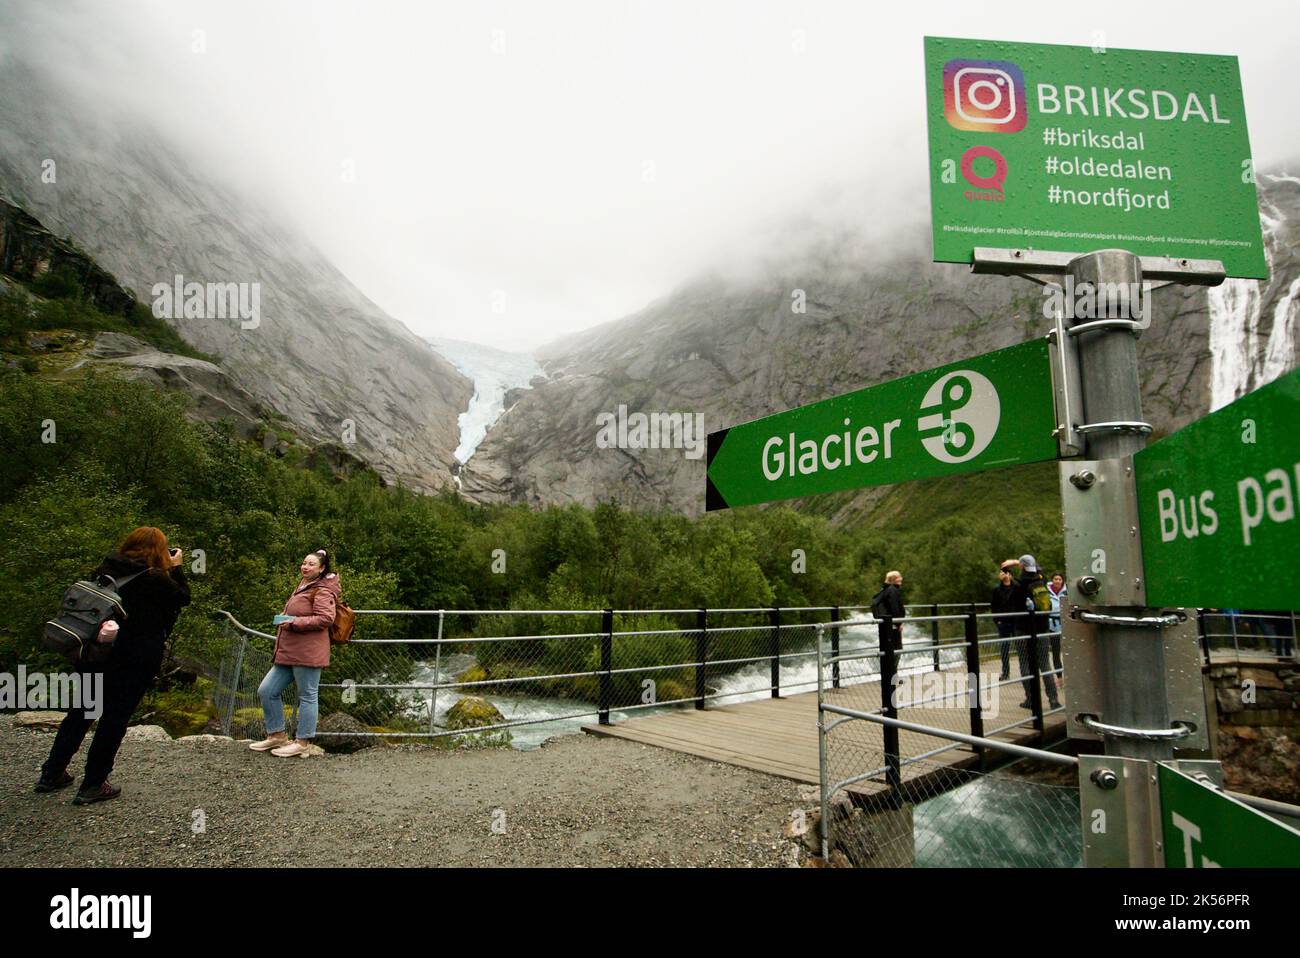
(302, 649)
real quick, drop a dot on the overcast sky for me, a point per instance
(511, 172)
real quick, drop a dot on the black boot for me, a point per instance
(99, 793)
(47, 784)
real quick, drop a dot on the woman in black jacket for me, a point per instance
(153, 601)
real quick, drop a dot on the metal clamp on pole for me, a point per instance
(1129, 325)
(1179, 730)
(1133, 426)
(1132, 621)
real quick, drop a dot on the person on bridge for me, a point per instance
(888, 603)
(1003, 599)
(302, 649)
(1032, 596)
(1057, 592)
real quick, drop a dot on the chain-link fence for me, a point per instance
(904, 722)
(951, 817)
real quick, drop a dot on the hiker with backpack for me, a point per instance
(140, 589)
(1032, 596)
(302, 649)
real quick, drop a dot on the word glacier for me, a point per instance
(781, 456)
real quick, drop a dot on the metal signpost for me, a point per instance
(1090, 150)
(1083, 150)
(986, 412)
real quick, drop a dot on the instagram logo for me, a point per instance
(985, 95)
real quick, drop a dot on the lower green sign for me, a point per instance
(1217, 504)
(1203, 828)
(981, 413)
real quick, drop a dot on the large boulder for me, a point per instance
(473, 712)
(346, 740)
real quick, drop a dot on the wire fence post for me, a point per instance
(228, 719)
(775, 651)
(437, 676)
(701, 654)
(1036, 682)
(972, 678)
(835, 648)
(934, 633)
(606, 664)
(888, 669)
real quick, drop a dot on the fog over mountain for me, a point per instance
(633, 194)
(321, 354)
(735, 348)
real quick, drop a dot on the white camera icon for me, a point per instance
(991, 90)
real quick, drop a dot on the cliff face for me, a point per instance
(735, 348)
(321, 353)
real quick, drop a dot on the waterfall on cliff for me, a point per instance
(1236, 310)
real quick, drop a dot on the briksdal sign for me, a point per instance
(985, 412)
(1075, 149)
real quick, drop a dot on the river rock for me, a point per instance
(38, 720)
(347, 741)
(204, 739)
(473, 712)
(147, 733)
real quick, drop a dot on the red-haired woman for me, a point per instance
(152, 600)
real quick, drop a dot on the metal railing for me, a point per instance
(541, 671)
(1242, 635)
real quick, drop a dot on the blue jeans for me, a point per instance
(276, 681)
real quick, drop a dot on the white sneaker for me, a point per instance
(297, 749)
(269, 743)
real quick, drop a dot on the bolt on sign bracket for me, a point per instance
(1183, 688)
(1119, 808)
(1103, 551)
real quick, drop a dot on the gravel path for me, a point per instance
(578, 800)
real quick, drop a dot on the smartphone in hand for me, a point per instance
(281, 619)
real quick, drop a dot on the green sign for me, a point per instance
(982, 413)
(1203, 828)
(1075, 149)
(1218, 502)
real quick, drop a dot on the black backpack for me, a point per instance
(86, 606)
(878, 608)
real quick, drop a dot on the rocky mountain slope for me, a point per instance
(734, 347)
(320, 353)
